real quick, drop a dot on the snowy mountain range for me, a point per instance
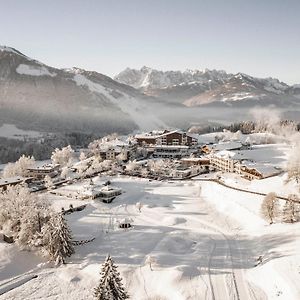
(34, 95)
(195, 88)
(39, 97)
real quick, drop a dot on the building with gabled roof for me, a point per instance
(40, 172)
(252, 170)
(167, 138)
(237, 162)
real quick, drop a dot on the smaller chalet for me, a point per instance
(222, 146)
(251, 170)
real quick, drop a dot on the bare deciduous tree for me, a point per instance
(48, 182)
(293, 165)
(291, 211)
(269, 207)
(63, 157)
(19, 168)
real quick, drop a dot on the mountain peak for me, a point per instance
(144, 69)
(11, 50)
(148, 78)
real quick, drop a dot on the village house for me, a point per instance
(237, 162)
(111, 153)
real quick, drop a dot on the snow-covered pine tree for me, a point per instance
(57, 239)
(110, 286)
(290, 212)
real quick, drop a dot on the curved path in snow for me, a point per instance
(236, 188)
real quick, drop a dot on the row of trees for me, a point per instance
(19, 168)
(63, 156)
(11, 149)
(290, 212)
(33, 225)
(265, 123)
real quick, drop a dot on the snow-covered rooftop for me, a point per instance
(115, 144)
(11, 180)
(232, 145)
(47, 167)
(225, 154)
(158, 134)
(195, 159)
(264, 169)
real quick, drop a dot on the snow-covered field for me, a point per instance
(203, 240)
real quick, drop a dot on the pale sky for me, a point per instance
(257, 37)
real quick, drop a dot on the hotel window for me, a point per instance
(175, 141)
